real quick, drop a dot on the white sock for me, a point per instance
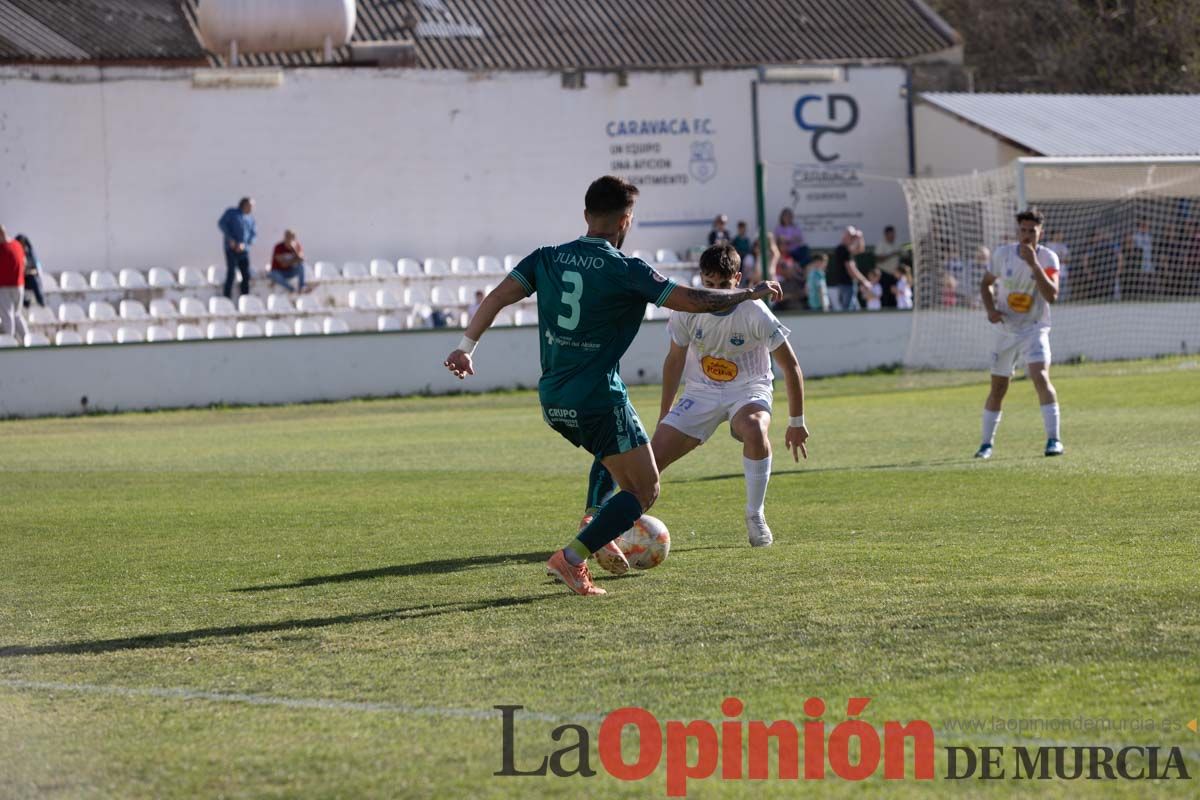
(991, 421)
(1050, 419)
(757, 475)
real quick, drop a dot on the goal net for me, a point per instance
(1127, 232)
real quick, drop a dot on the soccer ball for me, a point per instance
(646, 544)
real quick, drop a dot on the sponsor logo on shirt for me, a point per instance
(658, 276)
(699, 334)
(1020, 302)
(719, 369)
(737, 340)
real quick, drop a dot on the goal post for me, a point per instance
(1127, 232)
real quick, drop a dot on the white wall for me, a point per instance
(53, 380)
(946, 145)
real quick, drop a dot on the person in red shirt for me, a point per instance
(12, 286)
(287, 262)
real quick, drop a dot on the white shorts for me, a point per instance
(697, 414)
(1032, 344)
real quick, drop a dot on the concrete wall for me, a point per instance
(53, 380)
(946, 145)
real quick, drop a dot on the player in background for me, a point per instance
(1020, 284)
(591, 301)
(725, 358)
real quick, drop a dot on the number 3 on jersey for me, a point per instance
(570, 299)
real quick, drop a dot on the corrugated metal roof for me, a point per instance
(639, 34)
(96, 30)
(1084, 125)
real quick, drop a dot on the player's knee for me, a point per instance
(646, 493)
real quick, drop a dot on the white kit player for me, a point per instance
(726, 361)
(1017, 290)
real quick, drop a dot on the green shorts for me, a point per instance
(601, 433)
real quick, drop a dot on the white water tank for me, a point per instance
(271, 26)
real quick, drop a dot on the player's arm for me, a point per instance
(699, 300)
(1045, 280)
(508, 292)
(672, 372)
(989, 298)
(793, 378)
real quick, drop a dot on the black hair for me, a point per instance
(610, 196)
(721, 260)
(1031, 215)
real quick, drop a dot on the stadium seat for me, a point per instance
(355, 271)
(99, 311)
(307, 304)
(160, 278)
(133, 311)
(49, 282)
(192, 278)
(443, 295)
(386, 299)
(415, 295)
(408, 267)
(215, 275)
(7, 340)
(159, 333)
(192, 308)
(388, 322)
(436, 266)
(382, 268)
(326, 271)
(71, 312)
(644, 255)
(218, 330)
(71, 281)
(103, 280)
(335, 325)
(161, 308)
(67, 337)
(250, 305)
(188, 333)
(361, 299)
(132, 279)
(98, 336)
(280, 304)
(277, 327)
(490, 265)
(126, 335)
(504, 318)
(40, 315)
(307, 327)
(697, 281)
(510, 261)
(248, 330)
(666, 256)
(221, 306)
(461, 265)
(36, 340)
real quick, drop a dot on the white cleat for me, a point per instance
(757, 531)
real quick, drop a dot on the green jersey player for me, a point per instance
(591, 301)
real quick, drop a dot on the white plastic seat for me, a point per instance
(71, 312)
(644, 255)
(666, 256)
(188, 333)
(99, 311)
(461, 265)
(71, 281)
(160, 278)
(7, 340)
(408, 267)
(280, 304)
(335, 325)
(504, 318)
(306, 326)
(387, 322)
(355, 271)
(442, 295)
(129, 335)
(277, 327)
(132, 279)
(66, 337)
(159, 333)
(510, 261)
(382, 268)
(103, 280)
(192, 278)
(98, 336)
(307, 304)
(386, 300)
(436, 266)
(490, 265)
(215, 275)
(133, 311)
(36, 340)
(191, 307)
(326, 271)
(221, 306)
(49, 283)
(218, 330)
(415, 296)
(250, 305)
(161, 308)
(248, 330)
(361, 299)
(40, 315)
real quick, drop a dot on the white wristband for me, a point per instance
(796, 422)
(467, 345)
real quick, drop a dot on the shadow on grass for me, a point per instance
(405, 570)
(156, 640)
(939, 462)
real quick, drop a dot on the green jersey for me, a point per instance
(591, 300)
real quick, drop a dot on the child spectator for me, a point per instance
(718, 234)
(903, 288)
(741, 242)
(949, 290)
(874, 292)
(818, 292)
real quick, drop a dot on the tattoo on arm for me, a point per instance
(708, 300)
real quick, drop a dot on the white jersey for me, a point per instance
(730, 350)
(1017, 297)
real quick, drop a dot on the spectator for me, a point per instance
(968, 290)
(1053, 241)
(842, 274)
(287, 262)
(791, 280)
(438, 318)
(1142, 274)
(749, 276)
(12, 286)
(33, 280)
(741, 242)
(875, 291)
(887, 252)
(903, 288)
(1100, 268)
(818, 293)
(471, 309)
(949, 290)
(719, 234)
(790, 238)
(237, 224)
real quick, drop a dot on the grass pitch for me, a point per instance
(327, 600)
